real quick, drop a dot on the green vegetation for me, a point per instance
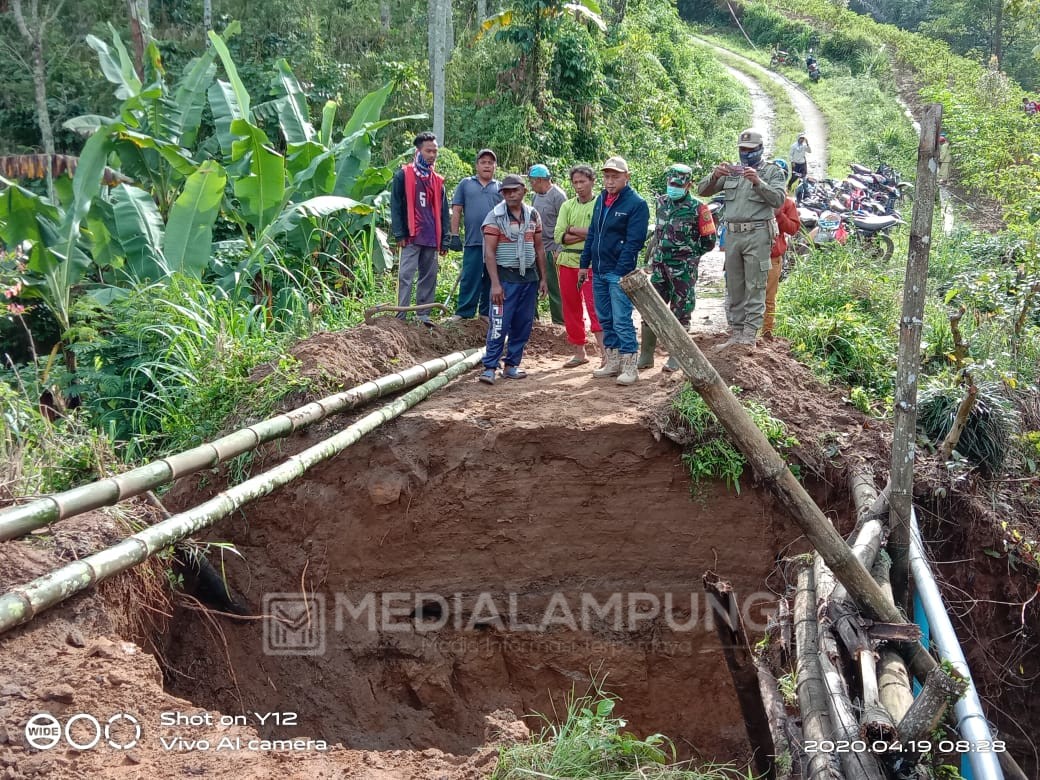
(590, 741)
(709, 453)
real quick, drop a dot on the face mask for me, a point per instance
(751, 158)
(675, 193)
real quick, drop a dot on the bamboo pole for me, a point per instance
(22, 519)
(894, 685)
(812, 695)
(765, 461)
(856, 765)
(908, 363)
(742, 669)
(23, 603)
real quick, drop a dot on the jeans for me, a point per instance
(474, 284)
(614, 311)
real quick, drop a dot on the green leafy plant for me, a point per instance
(710, 455)
(591, 741)
(987, 436)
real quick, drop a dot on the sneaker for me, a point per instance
(513, 372)
(487, 376)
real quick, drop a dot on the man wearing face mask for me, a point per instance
(753, 191)
(683, 231)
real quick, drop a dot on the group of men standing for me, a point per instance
(514, 253)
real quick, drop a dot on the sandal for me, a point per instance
(575, 361)
(512, 372)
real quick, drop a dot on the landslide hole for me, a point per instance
(463, 534)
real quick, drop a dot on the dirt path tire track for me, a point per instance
(813, 121)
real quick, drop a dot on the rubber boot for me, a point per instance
(735, 335)
(647, 345)
(671, 365)
(629, 372)
(611, 368)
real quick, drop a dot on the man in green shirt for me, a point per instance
(572, 225)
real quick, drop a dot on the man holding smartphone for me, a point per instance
(754, 189)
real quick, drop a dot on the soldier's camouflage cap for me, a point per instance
(679, 174)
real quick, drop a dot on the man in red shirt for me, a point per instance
(419, 222)
(788, 222)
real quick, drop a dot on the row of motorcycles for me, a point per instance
(780, 57)
(861, 209)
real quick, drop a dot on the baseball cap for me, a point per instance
(488, 153)
(539, 171)
(512, 180)
(615, 164)
(750, 139)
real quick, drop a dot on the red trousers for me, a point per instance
(573, 316)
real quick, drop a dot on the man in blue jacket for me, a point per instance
(620, 220)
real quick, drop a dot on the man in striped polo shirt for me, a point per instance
(515, 259)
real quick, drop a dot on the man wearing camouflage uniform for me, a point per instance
(684, 231)
(754, 189)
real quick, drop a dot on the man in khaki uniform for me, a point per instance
(754, 189)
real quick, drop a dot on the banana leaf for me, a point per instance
(312, 169)
(138, 226)
(189, 232)
(238, 88)
(225, 108)
(262, 191)
(125, 78)
(328, 118)
(293, 114)
(190, 95)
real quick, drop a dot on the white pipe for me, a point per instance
(971, 723)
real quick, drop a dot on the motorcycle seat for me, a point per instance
(860, 168)
(872, 224)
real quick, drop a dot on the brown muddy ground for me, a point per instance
(546, 488)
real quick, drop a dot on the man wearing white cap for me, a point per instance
(620, 220)
(754, 189)
(547, 200)
(799, 160)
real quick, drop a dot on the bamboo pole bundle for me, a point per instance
(19, 520)
(22, 603)
(767, 464)
(812, 694)
(857, 765)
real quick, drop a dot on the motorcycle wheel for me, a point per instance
(878, 247)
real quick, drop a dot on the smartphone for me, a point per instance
(735, 169)
(582, 281)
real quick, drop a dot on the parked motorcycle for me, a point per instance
(780, 57)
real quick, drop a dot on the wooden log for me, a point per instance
(908, 368)
(764, 460)
(940, 688)
(780, 725)
(960, 420)
(736, 650)
(894, 685)
(812, 694)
